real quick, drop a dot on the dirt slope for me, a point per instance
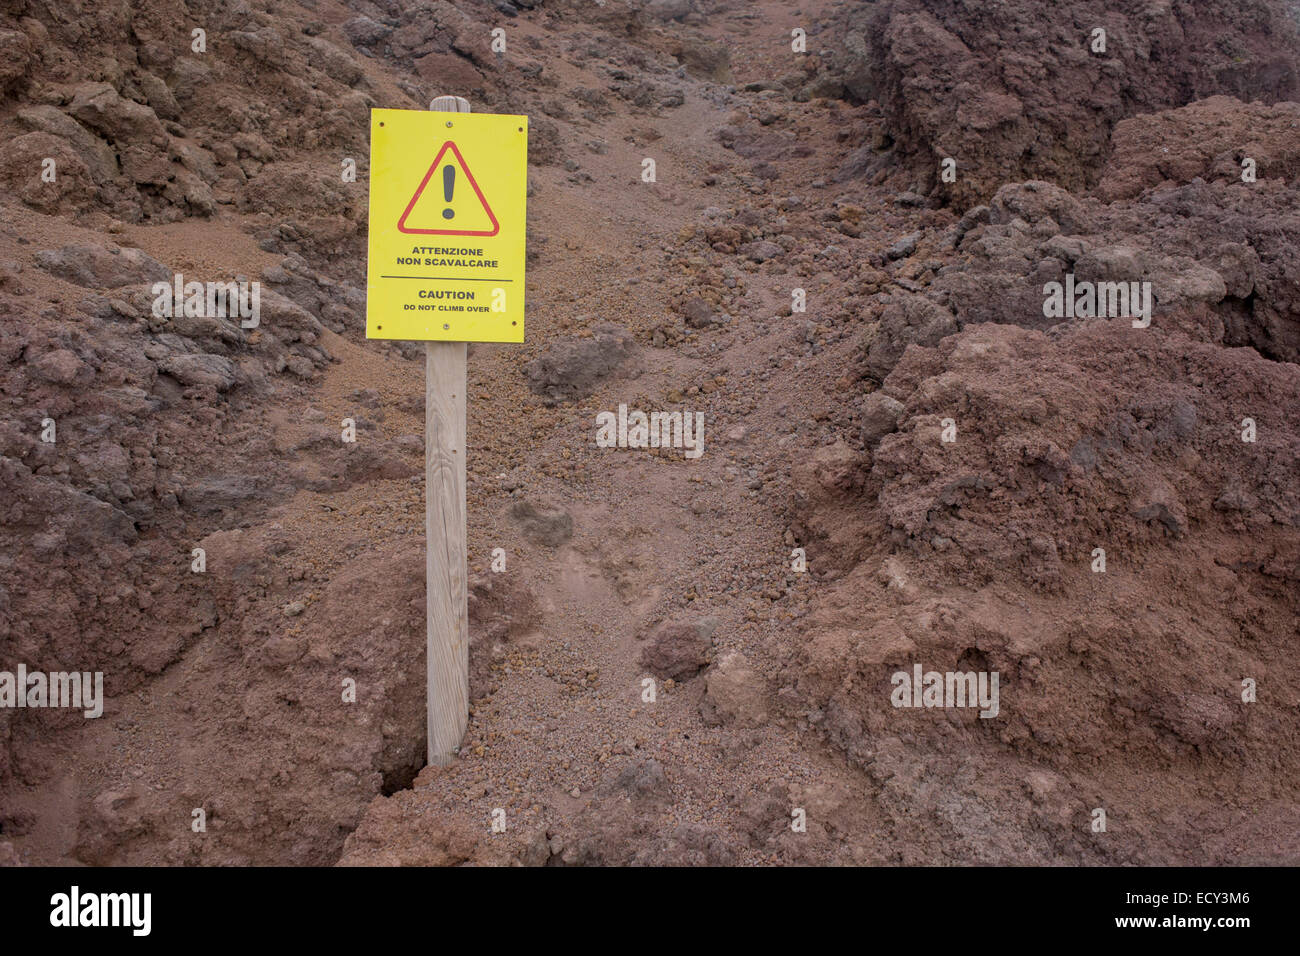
(776, 171)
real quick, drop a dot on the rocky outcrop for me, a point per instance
(1012, 94)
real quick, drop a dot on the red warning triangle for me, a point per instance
(469, 176)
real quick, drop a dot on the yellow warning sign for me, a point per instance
(447, 210)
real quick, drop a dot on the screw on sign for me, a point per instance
(446, 267)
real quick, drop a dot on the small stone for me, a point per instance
(698, 314)
(678, 651)
(904, 247)
(570, 368)
(761, 251)
(880, 416)
(544, 523)
(60, 366)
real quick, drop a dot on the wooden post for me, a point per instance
(445, 578)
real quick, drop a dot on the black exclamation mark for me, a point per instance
(448, 187)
